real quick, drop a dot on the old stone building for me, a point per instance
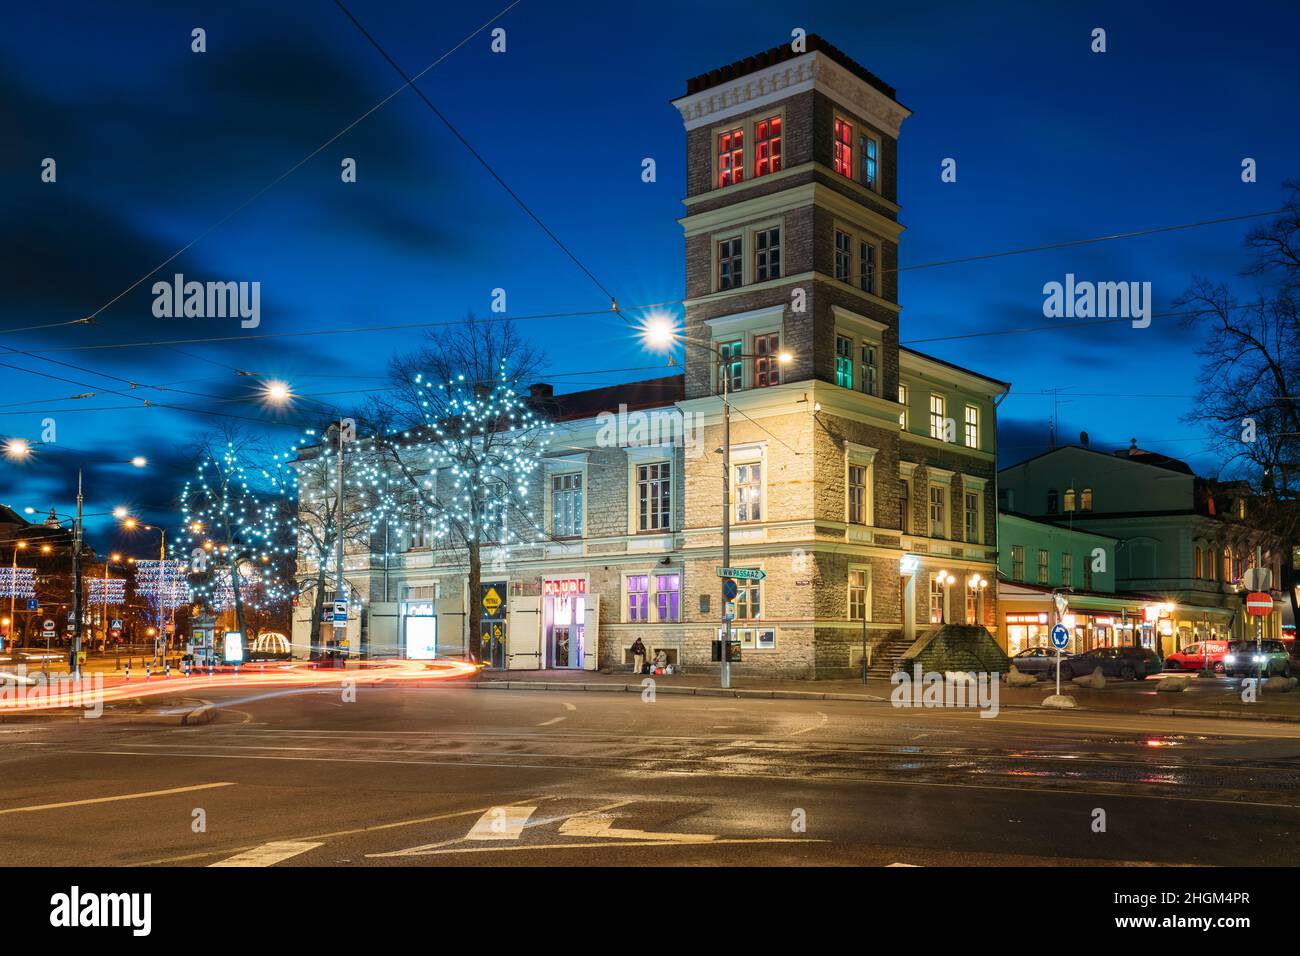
(862, 474)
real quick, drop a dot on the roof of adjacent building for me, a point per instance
(648, 393)
(953, 365)
(779, 54)
(1133, 453)
(1050, 523)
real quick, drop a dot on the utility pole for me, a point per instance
(340, 627)
(726, 514)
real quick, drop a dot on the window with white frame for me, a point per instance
(668, 597)
(938, 511)
(417, 536)
(902, 400)
(767, 146)
(566, 505)
(972, 426)
(843, 256)
(843, 158)
(731, 156)
(767, 365)
(937, 595)
(867, 266)
(870, 353)
(938, 412)
(767, 254)
(843, 361)
(972, 511)
(859, 594)
(638, 598)
(749, 599)
(733, 364)
(730, 263)
(654, 496)
(858, 477)
(870, 162)
(748, 486)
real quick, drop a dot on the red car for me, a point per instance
(1199, 656)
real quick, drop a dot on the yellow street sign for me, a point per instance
(491, 601)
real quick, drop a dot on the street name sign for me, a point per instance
(745, 574)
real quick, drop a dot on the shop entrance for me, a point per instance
(564, 608)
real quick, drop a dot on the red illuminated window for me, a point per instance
(767, 370)
(767, 146)
(731, 157)
(844, 148)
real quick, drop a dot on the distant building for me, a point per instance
(1181, 544)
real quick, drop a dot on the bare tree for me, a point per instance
(1249, 395)
(465, 440)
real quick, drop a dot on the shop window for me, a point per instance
(859, 594)
(638, 598)
(870, 162)
(767, 254)
(843, 255)
(566, 505)
(730, 264)
(843, 361)
(1017, 562)
(843, 160)
(972, 426)
(767, 367)
(857, 494)
(731, 157)
(668, 597)
(867, 267)
(654, 496)
(938, 412)
(902, 400)
(767, 146)
(749, 492)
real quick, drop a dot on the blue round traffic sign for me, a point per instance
(1060, 637)
(729, 589)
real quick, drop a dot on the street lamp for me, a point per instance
(977, 585)
(660, 333)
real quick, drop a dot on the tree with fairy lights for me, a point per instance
(237, 524)
(467, 445)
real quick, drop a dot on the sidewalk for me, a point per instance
(1220, 697)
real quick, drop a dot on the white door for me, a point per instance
(451, 626)
(524, 634)
(591, 633)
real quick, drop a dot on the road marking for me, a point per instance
(501, 823)
(608, 846)
(123, 796)
(568, 706)
(428, 848)
(553, 720)
(909, 865)
(818, 726)
(268, 854)
(602, 825)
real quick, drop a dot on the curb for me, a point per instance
(1224, 714)
(198, 716)
(608, 687)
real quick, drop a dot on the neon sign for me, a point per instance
(565, 586)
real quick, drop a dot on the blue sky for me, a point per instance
(155, 144)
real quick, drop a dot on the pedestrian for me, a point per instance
(638, 656)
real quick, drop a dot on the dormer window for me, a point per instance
(1085, 500)
(1053, 501)
(1069, 499)
(844, 147)
(731, 156)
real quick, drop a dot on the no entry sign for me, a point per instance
(1259, 604)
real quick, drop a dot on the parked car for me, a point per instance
(1040, 661)
(1126, 663)
(1203, 655)
(1256, 659)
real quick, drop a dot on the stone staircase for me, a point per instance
(884, 660)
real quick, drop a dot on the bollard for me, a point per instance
(128, 668)
(167, 672)
(148, 669)
(186, 665)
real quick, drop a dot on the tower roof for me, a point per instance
(779, 54)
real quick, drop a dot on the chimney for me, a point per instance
(541, 390)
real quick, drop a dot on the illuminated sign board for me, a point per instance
(565, 586)
(233, 647)
(1030, 618)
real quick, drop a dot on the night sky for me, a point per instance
(156, 145)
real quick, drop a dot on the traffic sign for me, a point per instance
(491, 601)
(1257, 579)
(33, 604)
(340, 612)
(1060, 637)
(730, 589)
(745, 574)
(1259, 604)
(48, 624)
(116, 625)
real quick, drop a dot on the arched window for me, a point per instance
(1069, 499)
(1198, 569)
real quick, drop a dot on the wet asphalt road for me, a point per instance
(414, 776)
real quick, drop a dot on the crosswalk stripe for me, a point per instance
(268, 854)
(501, 823)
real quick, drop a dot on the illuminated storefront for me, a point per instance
(564, 610)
